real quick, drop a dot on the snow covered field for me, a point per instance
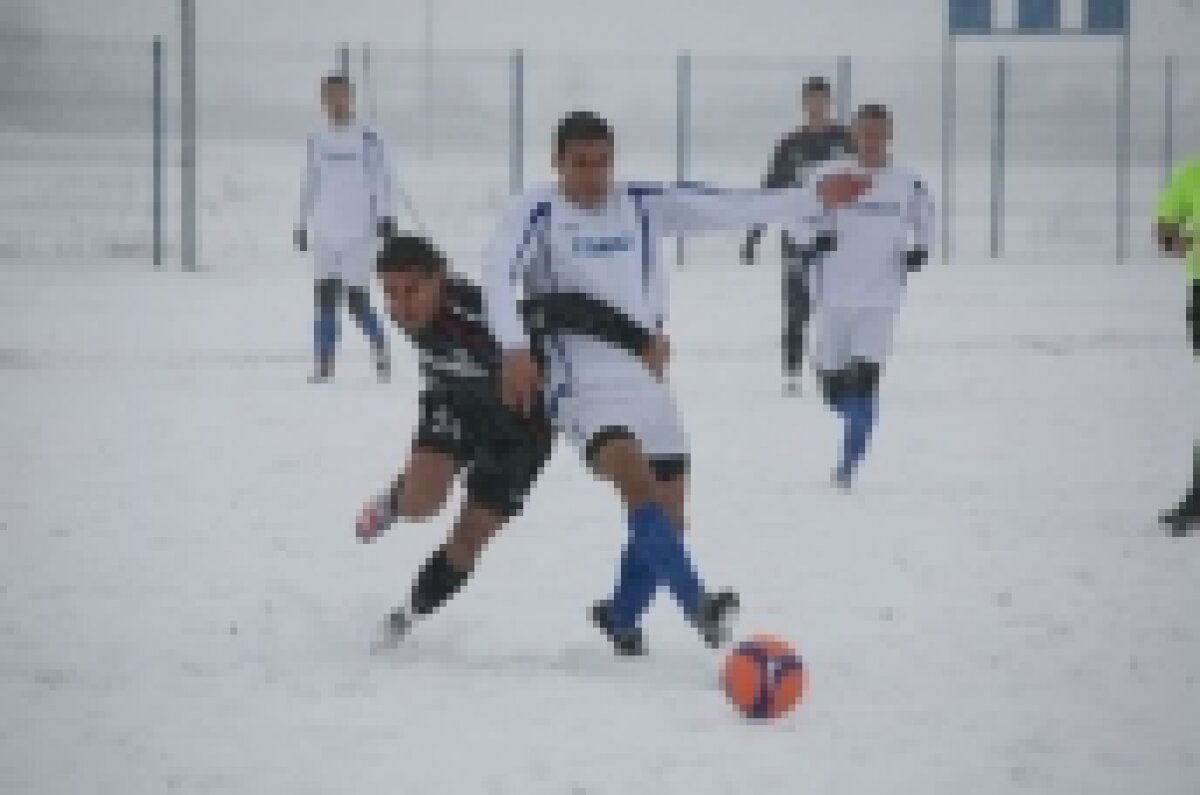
(183, 607)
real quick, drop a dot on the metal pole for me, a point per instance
(998, 146)
(1169, 118)
(844, 96)
(188, 233)
(683, 122)
(157, 123)
(516, 160)
(949, 94)
(1123, 134)
(343, 60)
(368, 87)
(428, 74)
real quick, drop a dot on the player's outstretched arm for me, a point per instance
(506, 260)
(920, 222)
(379, 169)
(308, 195)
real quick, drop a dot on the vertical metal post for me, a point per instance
(188, 208)
(368, 86)
(343, 60)
(844, 88)
(428, 76)
(1123, 135)
(516, 143)
(1168, 117)
(683, 129)
(157, 124)
(998, 153)
(949, 95)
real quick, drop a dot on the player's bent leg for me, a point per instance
(861, 384)
(426, 483)
(671, 474)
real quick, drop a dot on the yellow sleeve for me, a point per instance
(1175, 201)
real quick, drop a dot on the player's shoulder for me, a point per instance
(834, 165)
(463, 293)
(1188, 171)
(908, 176)
(532, 204)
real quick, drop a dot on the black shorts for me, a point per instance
(500, 452)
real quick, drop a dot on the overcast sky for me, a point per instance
(780, 27)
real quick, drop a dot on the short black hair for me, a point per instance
(873, 111)
(335, 79)
(815, 85)
(410, 254)
(581, 125)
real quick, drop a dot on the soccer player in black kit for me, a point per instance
(796, 155)
(464, 428)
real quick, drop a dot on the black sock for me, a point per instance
(437, 581)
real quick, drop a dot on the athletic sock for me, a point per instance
(437, 581)
(858, 414)
(326, 333)
(655, 553)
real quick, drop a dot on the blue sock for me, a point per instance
(326, 328)
(372, 328)
(858, 413)
(655, 553)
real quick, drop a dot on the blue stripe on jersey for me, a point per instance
(637, 193)
(539, 213)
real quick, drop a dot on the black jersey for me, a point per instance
(795, 156)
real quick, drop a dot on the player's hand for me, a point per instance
(657, 355)
(375, 517)
(386, 227)
(841, 189)
(300, 238)
(519, 381)
(1171, 240)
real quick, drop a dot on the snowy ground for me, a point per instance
(183, 607)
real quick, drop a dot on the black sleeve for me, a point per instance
(780, 174)
(577, 313)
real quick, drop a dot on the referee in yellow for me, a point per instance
(1176, 229)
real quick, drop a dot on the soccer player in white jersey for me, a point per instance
(860, 257)
(345, 205)
(589, 235)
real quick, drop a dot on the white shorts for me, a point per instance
(611, 391)
(352, 261)
(843, 334)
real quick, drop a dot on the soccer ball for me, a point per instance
(763, 678)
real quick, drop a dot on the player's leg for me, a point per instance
(325, 324)
(870, 334)
(796, 314)
(671, 474)
(358, 298)
(831, 354)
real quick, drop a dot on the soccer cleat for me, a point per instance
(375, 517)
(626, 642)
(841, 479)
(322, 372)
(393, 630)
(717, 611)
(383, 368)
(791, 385)
(1182, 520)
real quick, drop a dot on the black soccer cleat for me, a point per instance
(626, 642)
(1182, 520)
(717, 612)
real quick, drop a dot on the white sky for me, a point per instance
(783, 27)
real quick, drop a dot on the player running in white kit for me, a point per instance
(345, 206)
(860, 257)
(589, 235)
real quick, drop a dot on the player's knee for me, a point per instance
(325, 292)
(862, 377)
(833, 386)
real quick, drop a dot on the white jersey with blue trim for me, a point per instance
(873, 235)
(545, 243)
(347, 184)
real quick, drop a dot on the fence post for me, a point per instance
(844, 88)
(343, 60)
(516, 156)
(998, 153)
(368, 87)
(949, 95)
(1123, 135)
(188, 208)
(157, 124)
(683, 129)
(1168, 117)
